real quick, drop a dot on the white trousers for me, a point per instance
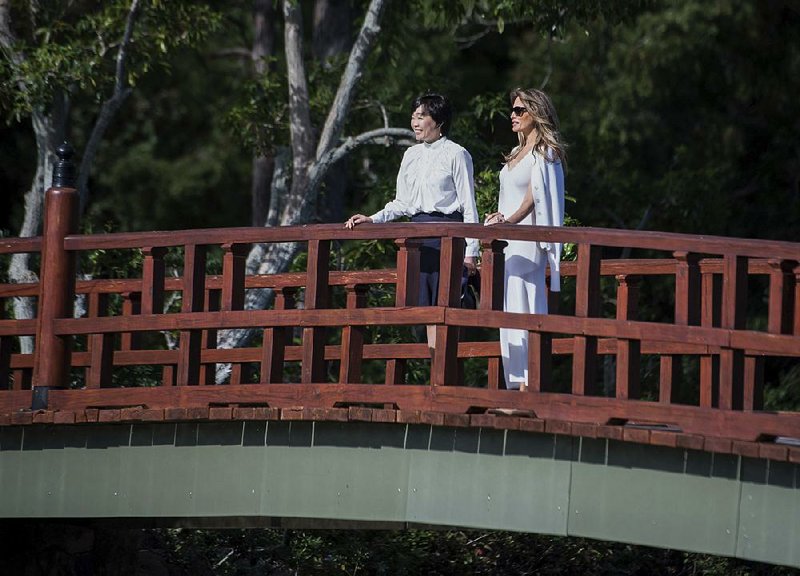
(525, 292)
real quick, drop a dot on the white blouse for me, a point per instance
(434, 177)
(545, 179)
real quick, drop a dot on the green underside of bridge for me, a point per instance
(395, 475)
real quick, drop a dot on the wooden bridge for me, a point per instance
(652, 367)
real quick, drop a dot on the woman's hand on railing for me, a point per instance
(355, 220)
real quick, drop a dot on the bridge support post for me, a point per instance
(57, 281)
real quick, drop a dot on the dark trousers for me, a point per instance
(429, 254)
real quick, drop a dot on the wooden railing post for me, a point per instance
(406, 294)
(273, 346)
(796, 322)
(212, 303)
(153, 272)
(710, 317)
(189, 348)
(493, 265)
(101, 346)
(780, 317)
(407, 287)
(782, 286)
(6, 349)
(587, 305)
(229, 298)
(131, 305)
(444, 369)
(316, 298)
(687, 312)
(52, 355)
(628, 376)
(734, 302)
(352, 351)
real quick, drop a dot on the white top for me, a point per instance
(545, 179)
(434, 177)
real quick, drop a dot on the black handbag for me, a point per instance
(470, 291)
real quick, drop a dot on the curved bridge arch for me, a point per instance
(389, 474)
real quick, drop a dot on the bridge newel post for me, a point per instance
(628, 376)
(734, 307)
(445, 356)
(52, 356)
(587, 305)
(316, 298)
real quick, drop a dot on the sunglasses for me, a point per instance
(518, 110)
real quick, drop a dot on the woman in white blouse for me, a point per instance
(531, 193)
(434, 184)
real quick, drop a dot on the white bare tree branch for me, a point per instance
(355, 64)
(308, 167)
(110, 107)
(299, 114)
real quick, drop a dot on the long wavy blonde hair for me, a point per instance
(545, 122)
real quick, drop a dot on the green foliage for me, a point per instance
(260, 119)
(73, 46)
(785, 394)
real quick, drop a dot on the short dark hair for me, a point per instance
(437, 107)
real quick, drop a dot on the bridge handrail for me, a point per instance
(667, 241)
(710, 318)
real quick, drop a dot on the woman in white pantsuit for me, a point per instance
(531, 192)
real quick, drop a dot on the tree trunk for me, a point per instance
(264, 163)
(309, 167)
(332, 37)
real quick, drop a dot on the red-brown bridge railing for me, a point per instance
(677, 342)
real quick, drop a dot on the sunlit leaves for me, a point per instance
(75, 48)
